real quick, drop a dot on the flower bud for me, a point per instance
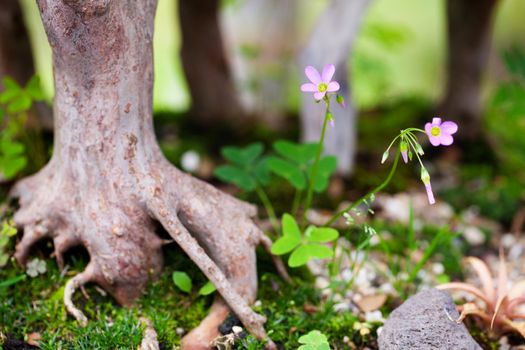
(403, 147)
(385, 157)
(340, 99)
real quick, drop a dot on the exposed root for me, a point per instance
(32, 234)
(251, 320)
(149, 340)
(71, 285)
(62, 242)
(277, 261)
(201, 338)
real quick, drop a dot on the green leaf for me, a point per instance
(11, 148)
(299, 153)
(235, 175)
(34, 90)
(11, 166)
(314, 340)
(207, 289)
(288, 171)
(8, 229)
(20, 103)
(325, 169)
(291, 236)
(182, 281)
(322, 235)
(262, 171)
(306, 252)
(243, 156)
(11, 281)
(11, 90)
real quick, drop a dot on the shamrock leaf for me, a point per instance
(291, 236)
(306, 252)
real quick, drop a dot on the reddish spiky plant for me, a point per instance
(496, 306)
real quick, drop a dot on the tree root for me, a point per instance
(215, 230)
(251, 320)
(149, 340)
(78, 281)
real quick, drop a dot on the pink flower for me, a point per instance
(440, 133)
(320, 83)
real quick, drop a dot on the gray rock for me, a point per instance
(421, 323)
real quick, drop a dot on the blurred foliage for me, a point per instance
(15, 103)
(372, 75)
(495, 196)
(505, 116)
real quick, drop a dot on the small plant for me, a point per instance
(496, 306)
(7, 231)
(304, 167)
(184, 283)
(314, 340)
(305, 246)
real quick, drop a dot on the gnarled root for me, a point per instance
(116, 226)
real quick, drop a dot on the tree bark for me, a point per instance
(16, 58)
(469, 36)
(108, 182)
(207, 70)
(331, 42)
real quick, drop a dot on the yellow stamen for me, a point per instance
(435, 131)
(322, 87)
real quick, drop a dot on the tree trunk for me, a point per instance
(331, 42)
(469, 36)
(262, 37)
(108, 183)
(16, 58)
(213, 94)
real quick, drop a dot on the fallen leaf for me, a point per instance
(371, 302)
(34, 339)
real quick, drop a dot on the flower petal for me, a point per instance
(319, 95)
(328, 73)
(405, 156)
(449, 127)
(435, 141)
(428, 128)
(333, 86)
(430, 194)
(308, 87)
(446, 139)
(436, 121)
(313, 75)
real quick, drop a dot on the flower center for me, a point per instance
(435, 131)
(322, 87)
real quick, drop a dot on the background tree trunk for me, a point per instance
(469, 36)
(213, 93)
(108, 182)
(331, 42)
(16, 58)
(262, 38)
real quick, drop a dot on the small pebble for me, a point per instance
(236, 329)
(180, 331)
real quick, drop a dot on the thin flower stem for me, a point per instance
(394, 140)
(310, 191)
(269, 208)
(296, 202)
(365, 197)
(412, 144)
